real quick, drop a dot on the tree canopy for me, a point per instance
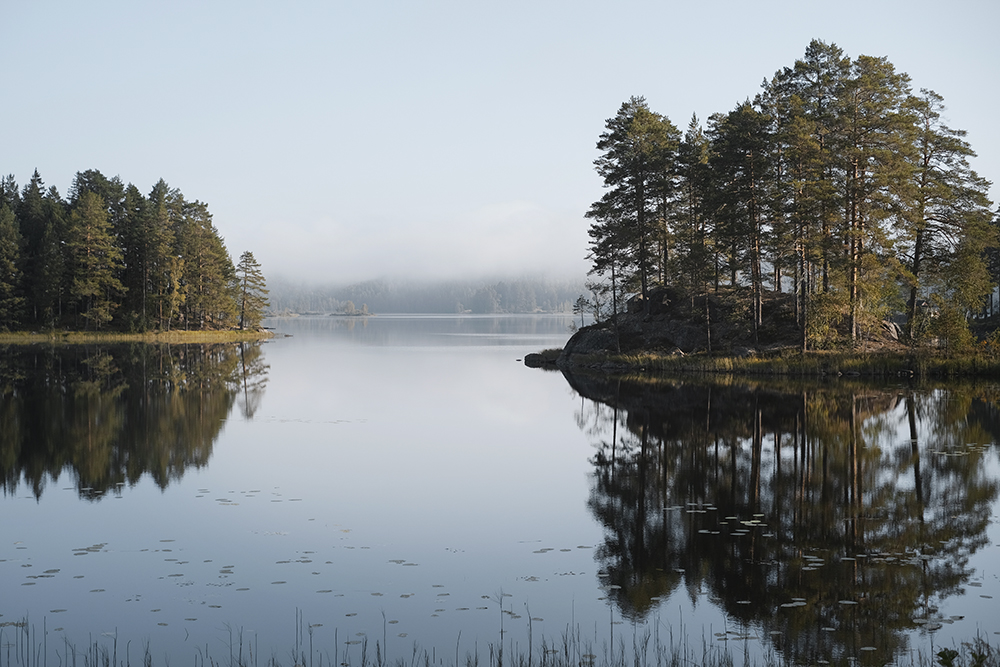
(111, 257)
(837, 182)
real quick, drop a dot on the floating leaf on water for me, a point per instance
(847, 602)
(242, 589)
(190, 619)
(988, 597)
(393, 622)
(931, 627)
(325, 590)
(743, 602)
(279, 582)
(868, 648)
(56, 611)
(353, 613)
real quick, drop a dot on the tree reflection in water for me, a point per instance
(827, 517)
(112, 414)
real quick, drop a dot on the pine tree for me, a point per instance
(208, 277)
(946, 229)
(877, 162)
(740, 169)
(638, 166)
(252, 298)
(11, 301)
(94, 261)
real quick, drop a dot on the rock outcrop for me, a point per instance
(672, 322)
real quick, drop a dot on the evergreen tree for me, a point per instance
(637, 164)
(252, 298)
(11, 301)
(208, 275)
(9, 194)
(161, 255)
(946, 228)
(94, 261)
(693, 261)
(740, 168)
(876, 162)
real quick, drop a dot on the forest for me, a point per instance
(837, 183)
(512, 295)
(109, 257)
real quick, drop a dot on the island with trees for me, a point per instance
(835, 211)
(110, 259)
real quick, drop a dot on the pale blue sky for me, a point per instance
(350, 140)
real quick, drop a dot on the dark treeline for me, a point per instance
(837, 182)
(456, 296)
(109, 256)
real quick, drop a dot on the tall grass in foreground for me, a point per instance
(21, 646)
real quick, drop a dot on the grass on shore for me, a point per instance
(59, 336)
(794, 363)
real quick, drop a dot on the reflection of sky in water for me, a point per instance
(415, 477)
(406, 480)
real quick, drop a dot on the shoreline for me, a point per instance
(789, 363)
(169, 337)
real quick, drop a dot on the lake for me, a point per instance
(385, 487)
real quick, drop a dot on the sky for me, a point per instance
(350, 140)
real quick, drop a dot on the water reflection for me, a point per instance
(828, 519)
(111, 414)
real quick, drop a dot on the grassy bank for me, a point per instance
(924, 364)
(175, 337)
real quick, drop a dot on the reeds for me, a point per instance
(22, 647)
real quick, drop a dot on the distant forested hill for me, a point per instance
(457, 296)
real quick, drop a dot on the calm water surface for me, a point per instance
(402, 480)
